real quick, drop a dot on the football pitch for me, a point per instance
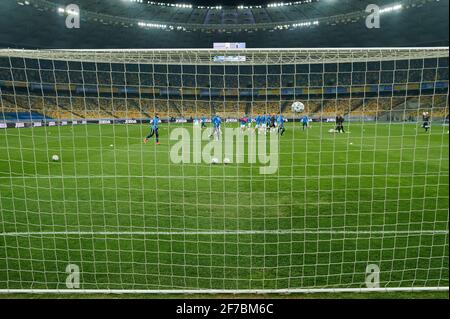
(129, 218)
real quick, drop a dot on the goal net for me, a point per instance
(189, 171)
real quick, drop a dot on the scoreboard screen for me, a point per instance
(237, 58)
(229, 45)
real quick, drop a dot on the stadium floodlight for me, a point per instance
(239, 7)
(306, 24)
(153, 25)
(360, 211)
(67, 11)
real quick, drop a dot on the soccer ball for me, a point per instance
(298, 107)
(214, 161)
(226, 161)
(55, 158)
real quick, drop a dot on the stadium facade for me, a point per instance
(127, 24)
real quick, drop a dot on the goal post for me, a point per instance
(347, 193)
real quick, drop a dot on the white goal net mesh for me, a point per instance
(349, 191)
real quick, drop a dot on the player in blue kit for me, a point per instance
(154, 131)
(270, 122)
(305, 122)
(217, 123)
(258, 121)
(262, 124)
(249, 122)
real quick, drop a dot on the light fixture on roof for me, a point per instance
(72, 12)
(152, 25)
(240, 7)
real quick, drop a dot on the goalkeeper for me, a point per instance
(154, 131)
(340, 124)
(426, 121)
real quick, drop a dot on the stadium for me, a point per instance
(237, 148)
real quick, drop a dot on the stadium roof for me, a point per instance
(127, 24)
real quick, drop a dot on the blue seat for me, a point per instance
(24, 116)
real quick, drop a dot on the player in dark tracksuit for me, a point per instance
(340, 124)
(281, 128)
(154, 130)
(271, 122)
(203, 122)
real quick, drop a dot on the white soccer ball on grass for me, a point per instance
(226, 161)
(215, 161)
(55, 158)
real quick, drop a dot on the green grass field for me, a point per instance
(131, 219)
